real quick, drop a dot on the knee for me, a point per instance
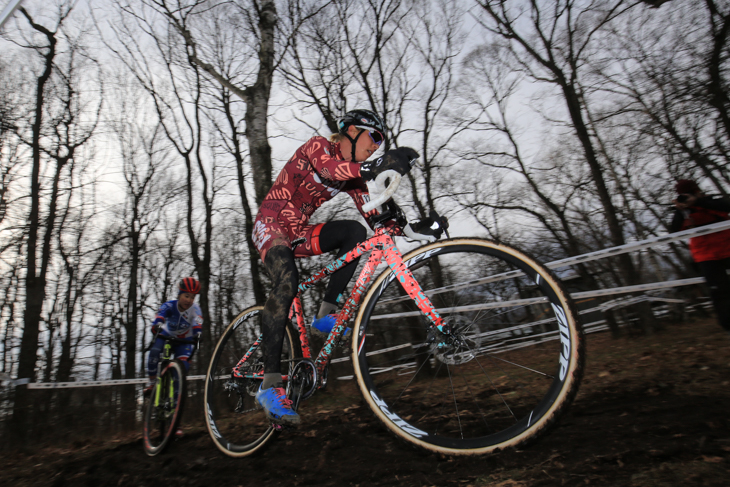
(283, 271)
(359, 231)
(356, 233)
(153, 359)
(289, 283)
(155, 352)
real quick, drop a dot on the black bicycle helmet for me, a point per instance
(362, 119)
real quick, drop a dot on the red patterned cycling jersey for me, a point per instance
(315, 174)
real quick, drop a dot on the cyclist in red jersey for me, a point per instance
(317, 171)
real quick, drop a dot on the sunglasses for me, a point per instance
(376, 137)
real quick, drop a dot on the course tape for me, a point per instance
(621, 249)
(95, 383)
(641, 244)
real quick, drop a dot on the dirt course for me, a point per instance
(652, 411)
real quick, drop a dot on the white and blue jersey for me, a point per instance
(179, 324)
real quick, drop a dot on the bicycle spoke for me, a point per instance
(488, 381)
(163, 408)
(235, 420)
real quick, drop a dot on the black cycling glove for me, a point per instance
(429, 229)
(400, 160)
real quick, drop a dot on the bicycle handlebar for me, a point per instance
(383, 187)
(181, 341)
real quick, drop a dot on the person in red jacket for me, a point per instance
(711, 252)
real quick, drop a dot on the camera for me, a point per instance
(682, 198)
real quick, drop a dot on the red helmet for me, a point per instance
(189, 285)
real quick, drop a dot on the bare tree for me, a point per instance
(235, 44)
(57, 132)
(144, 161)
(257, 20)
(178, 101)
(11, 176)
(673, 78)
(361, 60)
(229, 132)
(9, 143)
(551, 43)
(516, 186)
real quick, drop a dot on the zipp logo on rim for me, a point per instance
(244, 318)
(409, 263)
(413, 431)
(564, 340)
(212, 425)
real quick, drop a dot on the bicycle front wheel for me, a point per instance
(509, 368)
(164, 408)
(235, 420)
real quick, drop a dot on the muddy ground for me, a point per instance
(652, 411)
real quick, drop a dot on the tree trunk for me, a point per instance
(257, 103)
(258, 287)
(35, 284)
(130, 325)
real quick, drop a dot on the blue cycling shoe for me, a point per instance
(276, 405)
(325, 324)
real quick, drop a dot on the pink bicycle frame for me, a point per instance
(383, 247)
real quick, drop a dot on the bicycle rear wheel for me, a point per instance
(164, 408)
(235, 420)
(511, 366)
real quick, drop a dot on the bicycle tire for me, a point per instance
(518, 365)
(164, 408)
(234, 419)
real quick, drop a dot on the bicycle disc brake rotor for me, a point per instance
(456, 348)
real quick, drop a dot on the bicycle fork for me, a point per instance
(401, 271)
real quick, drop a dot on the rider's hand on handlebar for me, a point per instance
(400, 160)
(429, 229)
(156, 328)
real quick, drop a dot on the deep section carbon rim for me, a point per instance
(234, 419)
(510, 367)
(164, 407)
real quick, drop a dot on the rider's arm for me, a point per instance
(162, 315)
(358, 191)
(326, 165)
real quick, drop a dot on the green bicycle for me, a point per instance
(165, 404)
